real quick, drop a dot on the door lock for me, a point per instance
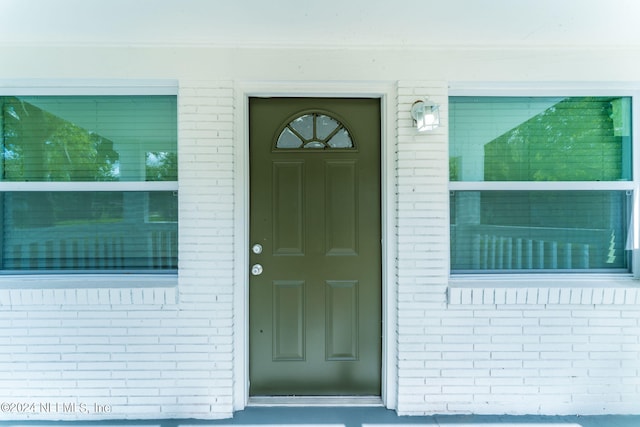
(256, 249)
(256, 269)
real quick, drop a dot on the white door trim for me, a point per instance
(386, 91)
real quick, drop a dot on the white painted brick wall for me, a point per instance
(167, 351)
(540, 348)
(203, 375)
(140, 352)
(523, 359)
(422, 236)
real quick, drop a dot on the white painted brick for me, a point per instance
(107, 351)
(482, 350)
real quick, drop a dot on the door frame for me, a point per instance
(386, 92)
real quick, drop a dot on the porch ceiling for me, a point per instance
(361, 23)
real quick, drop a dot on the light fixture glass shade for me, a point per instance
(426, 115)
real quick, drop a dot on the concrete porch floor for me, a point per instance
(351, 417)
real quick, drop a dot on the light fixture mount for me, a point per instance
(426, 115)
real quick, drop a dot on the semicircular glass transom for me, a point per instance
(314, 131)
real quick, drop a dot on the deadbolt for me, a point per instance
(256, 249)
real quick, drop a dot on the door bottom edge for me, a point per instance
(300, 401)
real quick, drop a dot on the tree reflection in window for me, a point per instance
(39, 146)
(161, 166)
(314, 131)
(47, 142)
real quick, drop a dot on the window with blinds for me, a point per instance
(88, 184)
(540, 184)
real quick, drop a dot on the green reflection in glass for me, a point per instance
(540, 139)
(87, 138)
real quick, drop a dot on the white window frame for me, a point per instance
(631, 90)
(31, 280)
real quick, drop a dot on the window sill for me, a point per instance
(543, 289)
(87, 289)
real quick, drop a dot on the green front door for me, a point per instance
(315, 251)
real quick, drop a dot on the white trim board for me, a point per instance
(94, 87)
(316, 401)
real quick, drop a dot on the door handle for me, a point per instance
(256, 269)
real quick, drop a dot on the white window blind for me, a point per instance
(88, 183)
(538, 183)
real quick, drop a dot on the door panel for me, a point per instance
(342, 320)
(288, 208)
(315, 310)
(288, 320)
(341, 208)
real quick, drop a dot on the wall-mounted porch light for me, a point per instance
(426, 115)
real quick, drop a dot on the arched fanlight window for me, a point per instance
(314, 130)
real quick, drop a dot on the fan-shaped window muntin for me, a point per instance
(314, 131)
